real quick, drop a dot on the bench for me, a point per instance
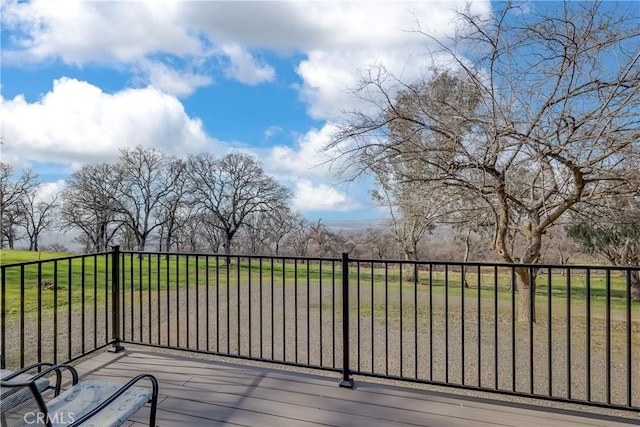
(86, 402)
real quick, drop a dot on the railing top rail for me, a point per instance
(219, 255)
(41, 261)
(338, 259)
(496, 264)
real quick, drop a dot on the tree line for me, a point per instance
(146, 194)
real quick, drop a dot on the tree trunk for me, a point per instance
(408, 269)
(142, 242)
(526, 295)
(169, 238)
(227, 246)
(635, 285)
(100, 238)
(467, 252)
(1, 225)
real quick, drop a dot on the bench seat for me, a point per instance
(84, 396)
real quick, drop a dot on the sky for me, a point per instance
(81, 80)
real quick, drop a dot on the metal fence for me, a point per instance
(452, 324)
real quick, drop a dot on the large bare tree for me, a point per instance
(175, 208)
(232, 189)
(13, 189)
(89, 205)
(534, 114)
(148, 182)
(38, 214)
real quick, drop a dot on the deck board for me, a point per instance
(204, 392)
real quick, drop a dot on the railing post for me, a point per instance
(115, 299)
(346, 380)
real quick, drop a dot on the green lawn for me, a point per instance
(92, 274)
(11, 257)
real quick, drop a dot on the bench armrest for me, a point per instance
(6, 382)
(26, 370)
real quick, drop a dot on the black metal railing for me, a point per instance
(454, 324)
(55, 310)
(263, 308)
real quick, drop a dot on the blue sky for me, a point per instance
(82, 80)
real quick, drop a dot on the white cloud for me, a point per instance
(48, 191)
(339, 39)
(329, 77)
(171, 81)
(77, 122)
(310, 197)
(305, 25)
(307, 157)
(245, 68)
(84, 31)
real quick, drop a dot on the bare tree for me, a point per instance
(380, 241)
(212, 233)
(264, 231)
(38, 215)
(323, 240)
(560, 248)
(148, 180)
(349, 241)
(537, 115)
(174, 209)
(13, 216)
(232, 189)
(279, 224)
(89, 205)
(298, 238)
(12, 190)
(412, 212)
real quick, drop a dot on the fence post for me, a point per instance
(346, 381)
(115, 299)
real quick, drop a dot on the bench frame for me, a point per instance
(33, 388)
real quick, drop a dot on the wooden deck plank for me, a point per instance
(371, 397)
(362, 403)
(242, 375)
(231, 414)
(204, 392)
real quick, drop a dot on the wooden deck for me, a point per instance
(198, 392)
